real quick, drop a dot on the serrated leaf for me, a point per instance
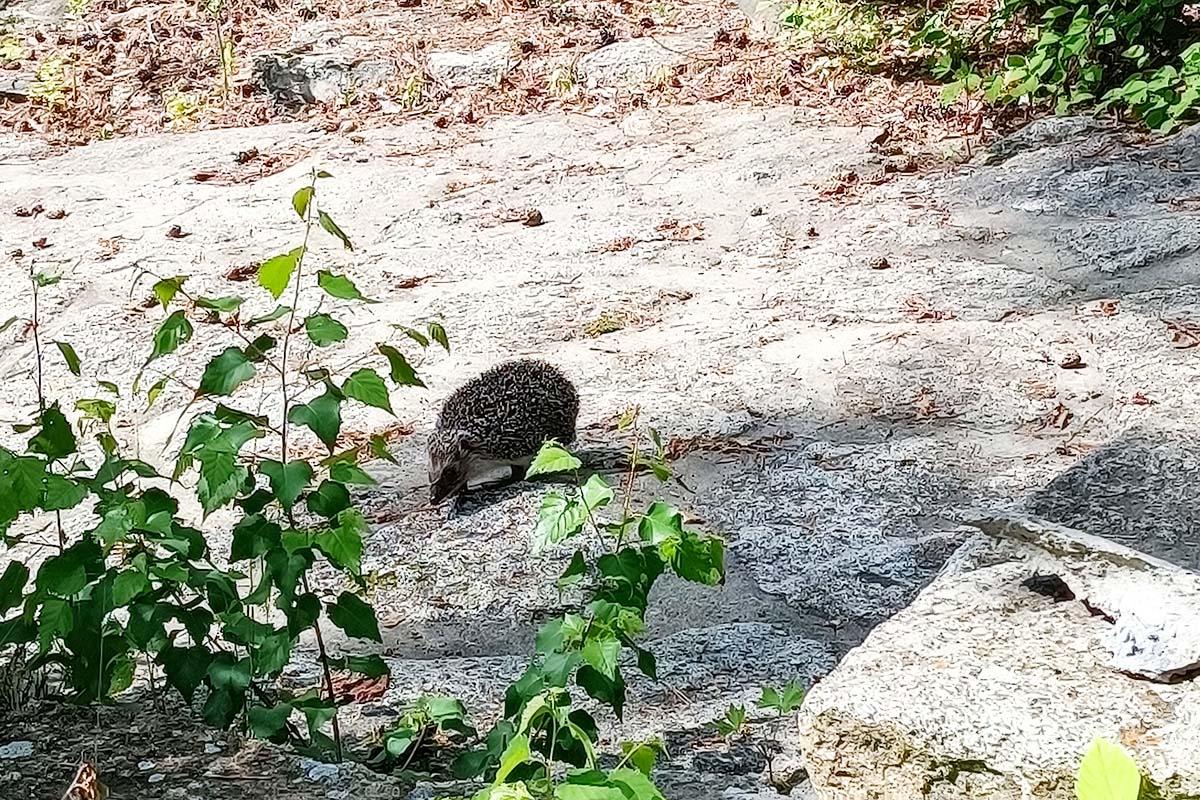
(268, 723)
(71, 357)
(280, 311)
(575, 572)
(323, 330)
(127, 586)
(661, 522)
(402, 372)
(603, 655)
(343, 542)
(552, 458)
(229, 673)
(379, 449)
(643, 755)
(340, 286)
(332, 227)
(166, 289)
(559, 518)
(253, 536)
(301, 199)
(354, 617)
(596, 493)
(1107, 773)
(174, 331)
(226, 372)
(328, 500)
(222, 304)
(275, 273)
(365, 386)
(274, 652)
(287, 481)
(322, 415)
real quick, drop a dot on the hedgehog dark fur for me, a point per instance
(503, 416)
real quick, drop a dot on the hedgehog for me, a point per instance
(499, 419)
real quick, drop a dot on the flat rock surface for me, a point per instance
(984, 688)
(836, 416)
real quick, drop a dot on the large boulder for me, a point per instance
(992, 685)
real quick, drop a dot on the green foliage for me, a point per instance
(785, 700)
(139, 583)
(1107, 773)
(1135, 56)
(733, 723)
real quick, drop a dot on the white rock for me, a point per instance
(145, 766)
(458, 70)
(18, 749)
(157, 777)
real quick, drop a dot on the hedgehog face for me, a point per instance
(448, 464)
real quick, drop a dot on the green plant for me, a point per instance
(11, 49)
(1107, 773)
(49, 86)
(182, 106)
(224, 45)
(140, 583)
(733, 724)
(427, 718)
(412, 94)
(542, 727)
(785, 700)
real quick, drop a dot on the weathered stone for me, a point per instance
(983, 688)
(322, 78)
(459, 70)
(634, 60)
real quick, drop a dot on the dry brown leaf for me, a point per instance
(86, 785)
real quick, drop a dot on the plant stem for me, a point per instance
(324, 655)
(41, 394)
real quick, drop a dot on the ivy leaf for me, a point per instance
(287, 481)
(68, 353)
(660, 523)
(226, 372)
(166, 289)
(696, 558)
(280, 311)
(1107, 773)
(438, 334)
(332, 227)
(301, 199)
(62, 493)
(323, 330)
(355, 617)
(552, 458)
(273, 652)
(340, 286)
(221, 304)
(329, 499)
(367, 387)
(402, 372)
(174, 331)
(322, 415)
(515, 754)
(350, 473)
(225, 672)
(275, 273)
(574, 574)
(343, 543)
(55, 440)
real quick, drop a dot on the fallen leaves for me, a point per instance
(1058, 418)
(918, 308)
(672, 229)
(925, 403)
(1185, 334)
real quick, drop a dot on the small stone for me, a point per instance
(211, 749)
(757, 211)
(879, 262)
(1072, 361)
(145, 766)
(18, 749)
(157, 777)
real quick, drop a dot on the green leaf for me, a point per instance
(226, 372)
(96, 408)
(155, 390)
(610, 691)
(733, 721)
(174, 331)
(127, 586)
(1107, 773)
(355, 617)
(413, 334)
(268, 723)
(379, 449)
(368, 388)
(596, 493)
(329, 499)
(323, 330)
(343, 543)
(221, 707)
(322, 416)
(12, 586)
(332, 227)
(68, 353)
(301, 199)
(515, 754)
(574, 574)
(225, 672)
(635, 783)
(287, 481)
(696, 558)
(8, 323)
(350, 473)
(438, 334)
(273, 652)
(257, 350)
(402, 372)
(643, 755)
(339, 286)
(603, 655)
(368, 666)
(552, 458)
(783, 701)
(43, 279)
(55, 440)
(280, 311)
(559, 518)
(166, 289)
(660, 523)
(185, 668)
(275, 274)
(223, 304)
(65, 575)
